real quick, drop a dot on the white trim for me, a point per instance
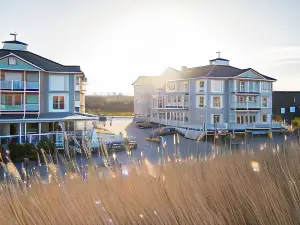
(252, 72)
(212, 102)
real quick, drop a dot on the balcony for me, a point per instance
(32, 85)
(11, 107)
(18, 85)
(12, 85)
(245, 105)
(32, 107)
(248, 91)
(178, 105)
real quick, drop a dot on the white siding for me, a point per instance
(58, 82)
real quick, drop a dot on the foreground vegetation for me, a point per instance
(244, 188)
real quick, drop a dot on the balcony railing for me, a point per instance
(178, 105)
(32, 107)
(11, 107)
(245, 105)
(246, 90)
(32, 85)
(18, 85)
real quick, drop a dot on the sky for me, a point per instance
(115, 41)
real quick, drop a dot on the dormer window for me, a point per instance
(12, 61)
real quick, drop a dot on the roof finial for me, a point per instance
(15, 35)
(219, 54)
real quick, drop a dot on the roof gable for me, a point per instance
(251, 74)
(41, 62)
(20, 65)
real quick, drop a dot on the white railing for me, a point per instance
(12, 84)
(32, 85)
(32, 107)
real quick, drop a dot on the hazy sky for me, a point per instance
(115, 41)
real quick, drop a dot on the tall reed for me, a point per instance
(244, 188)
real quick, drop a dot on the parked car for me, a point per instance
(165, 131)
(144, 125)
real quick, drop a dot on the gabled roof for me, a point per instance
(41, 62)
(145, 80)
(217, 71)
(169, 73)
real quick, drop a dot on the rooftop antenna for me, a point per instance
(15, 35)
(219, 54)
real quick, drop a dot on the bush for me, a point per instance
(296, 122)
(19, 151)
(49, 148)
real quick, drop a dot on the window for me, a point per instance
(252, 119)
(216, 102)
(12, 61)
(266, 86)
(264, 102)
(175, 98)
(11, 99)
(216, 118)
(264, 118)
(18, 99)
(58, 102)
(250, 99)
(242, 86)
(77, 80)
(186, 88)
(179, 98)
(216, 86)
(168, 116)
(186, 118)
(201, 101)
(241, 99)
(201, 86)
(175, 116)
(169, 99)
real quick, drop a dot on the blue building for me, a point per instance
(38, 97)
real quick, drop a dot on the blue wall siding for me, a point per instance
(21, 65)
(72, 93)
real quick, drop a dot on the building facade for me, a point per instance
(37, 94)
(216, 96)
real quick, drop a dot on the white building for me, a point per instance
(215, 96)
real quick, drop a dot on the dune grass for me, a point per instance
(244, 188)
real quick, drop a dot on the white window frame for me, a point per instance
(213, 118)
(262, 102)
(201, 89)
(199, 101)
(262, 118)
(12, 60)
(212, 101)
(244, 88)
(58, 96)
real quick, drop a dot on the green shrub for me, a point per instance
(19, 151)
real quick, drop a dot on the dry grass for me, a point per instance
(223, 190)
